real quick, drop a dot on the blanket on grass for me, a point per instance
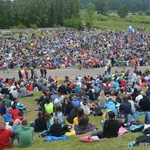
(94, 139)
(90, 127)
(55, 138)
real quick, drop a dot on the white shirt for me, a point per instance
(105, 68)
(14, 93)
(85, 108)
(138, 98)
(132, 106)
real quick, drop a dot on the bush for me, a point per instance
(74, 23)
(56, 26)
(148, 12)
(102, 18)
(19, 26)
(34, 26)
(140, 13)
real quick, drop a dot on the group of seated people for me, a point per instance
(59, 114)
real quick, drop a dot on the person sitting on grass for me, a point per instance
(48, 106)
(85, 106)
(16, 125)
(81, 121)
(2, 107)
(40, 123)
(14, 111)
(7, 101)
(67, 106)
(5, 136)
(49, 122)
(56, 129)
(71, 116)
(9, 125)
(8, 116)
(25, 134)
(111, 106)
(111, 126)
(59, 115)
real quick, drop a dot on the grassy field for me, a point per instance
(114, 22)
(73, 142)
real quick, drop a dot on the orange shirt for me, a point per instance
(56, 79)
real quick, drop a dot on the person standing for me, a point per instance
(45, 72)
(25, 134)
(26, 72)
(135, 67)
(32, 72)
(105, 69)
(19, 74)
(41, 70)
(109, 69)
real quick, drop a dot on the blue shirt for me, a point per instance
(111, 106)
(7, 117)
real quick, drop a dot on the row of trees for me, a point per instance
(133, 5)
(40, 13)
(51, 13)
(122, 6)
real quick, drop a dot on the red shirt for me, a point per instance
(4, 138)
(30, 88)
(10, 82)
(14, 113)
(143, 85)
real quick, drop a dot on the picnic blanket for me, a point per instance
(55, 138)
(90, 127)
(94, 139)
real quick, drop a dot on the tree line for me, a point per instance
(54, 13)
(37, 13)
(137, 5)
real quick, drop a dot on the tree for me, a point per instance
(133, 9)
(123, 11)
(101, 7)
(90, 15)
(148, 12)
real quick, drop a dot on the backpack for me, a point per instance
(136, 128)
(98, 112)
(142, 139)
(146, 129)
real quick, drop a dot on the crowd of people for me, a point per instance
(71, 48)
(65, 107)
(120, 94)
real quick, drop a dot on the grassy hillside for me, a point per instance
(73, 142)
(114, 22)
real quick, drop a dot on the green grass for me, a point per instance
(73, 142)
(117, 25)
(114, 22)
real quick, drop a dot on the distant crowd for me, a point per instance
(67, 49)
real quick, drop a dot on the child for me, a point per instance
(7, 116)
(9, 126)
(59, 115)
(56, 129)
(49, 122)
